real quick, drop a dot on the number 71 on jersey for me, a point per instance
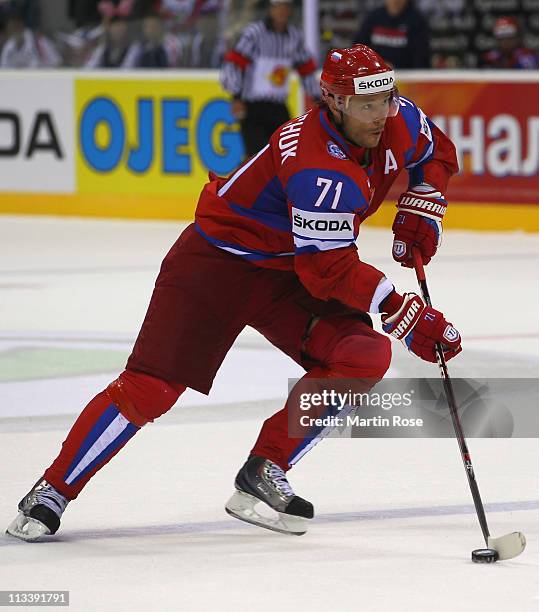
(326, 185)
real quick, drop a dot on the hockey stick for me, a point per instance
(511, 544)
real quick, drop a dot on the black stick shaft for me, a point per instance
(451, 401)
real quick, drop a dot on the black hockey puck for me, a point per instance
(484, 555)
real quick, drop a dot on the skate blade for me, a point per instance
(242, 506)
(509, 545)
(27, 529)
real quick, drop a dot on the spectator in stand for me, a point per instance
(117, 50)
(399, 33)
(92, 18)
(191, 30)
(256, 74)
(24, 48)
(509, 52)
(152, 51)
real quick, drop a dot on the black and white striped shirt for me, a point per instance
(258, 67)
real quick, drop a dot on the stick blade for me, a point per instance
(509, 545)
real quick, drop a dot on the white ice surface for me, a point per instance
(395, 525)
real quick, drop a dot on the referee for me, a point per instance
(256, 73)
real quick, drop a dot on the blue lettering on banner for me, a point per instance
(175, 136)
(215, 112)
(102, 110)
(140, 159)
(175, 141)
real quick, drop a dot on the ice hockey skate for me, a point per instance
(262, 481)
(39, 513)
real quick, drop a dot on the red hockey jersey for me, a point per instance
(298, 204)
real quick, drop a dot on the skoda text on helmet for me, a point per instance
(350, 75)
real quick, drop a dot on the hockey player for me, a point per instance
(273, 247)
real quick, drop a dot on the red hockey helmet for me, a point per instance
(350, 75)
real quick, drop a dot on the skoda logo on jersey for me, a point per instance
(323, 225)
(335, 151)
(451, 334)
(399, 248)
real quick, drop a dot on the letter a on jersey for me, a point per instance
(391, 162)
